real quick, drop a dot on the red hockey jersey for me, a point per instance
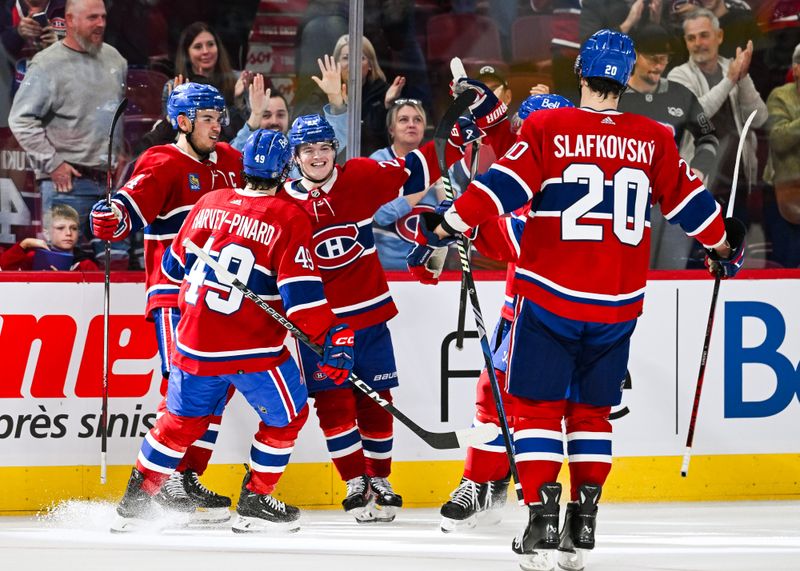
(263, 240)
(343, 244)
(165, 184)
(592, 178)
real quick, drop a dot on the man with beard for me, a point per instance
(62, 125)
(674, 106)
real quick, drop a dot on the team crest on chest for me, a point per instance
(314, 193)
(337, 246)
(194, 181)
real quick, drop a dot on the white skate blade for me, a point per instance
(134, 524)
(476, 435)
(572, 561)
(458, 525)
(209, 516)
(543, 560)
(382, 514)
(244, 524)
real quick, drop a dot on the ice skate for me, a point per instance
(498, 495)
(210, 507)
(358, 499)
(461, 511)
(260, 513)
(536, 544)
(137, 509)
(386, 502)
(577, 535)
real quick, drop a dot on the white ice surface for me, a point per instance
(742, 536)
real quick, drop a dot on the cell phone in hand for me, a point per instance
(41, 19)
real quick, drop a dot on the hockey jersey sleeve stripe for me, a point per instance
(138, 220)
(579, 296)
(300, 295)
(171, 266)
(700, 190)
(705, 223)
(164, 228)
(162, 289)
(419, 178)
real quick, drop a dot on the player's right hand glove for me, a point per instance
(426, 259)
(487, 109)
(110, 223)
(728, 267)
(338, 356)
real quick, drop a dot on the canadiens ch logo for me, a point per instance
(406, 227)
(194, 181)
(319, 376)
(337, 246)
(314, 193)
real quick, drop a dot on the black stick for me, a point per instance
(462, 301)
(439, 440)
(107, 300)
(440, 138)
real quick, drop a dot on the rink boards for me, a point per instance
(745, 443)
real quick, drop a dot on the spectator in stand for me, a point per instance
(619, 15)
(62, 114)
(782, 217)
(377, 95)
(58, 249)
(565, 44)
(201, 58)
(737, 22)
(23, 35)
(728, 96)
(394, 224)
(677, 108)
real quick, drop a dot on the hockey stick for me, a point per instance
(107, 300)
(457, 71)
(439, 440)
(440, 137)
(710, 324)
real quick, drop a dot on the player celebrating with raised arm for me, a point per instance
(166, 182)
(223, 340)
(591, 175)
(342, 202)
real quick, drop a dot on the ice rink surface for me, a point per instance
(742, 536)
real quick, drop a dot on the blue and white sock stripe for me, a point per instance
(496, 444)
(377, 448)
(265, 458)
(209, 438)
(159, 458)
(344, 443)
(534, 444)
(589, 447)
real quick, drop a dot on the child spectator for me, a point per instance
(56, 252)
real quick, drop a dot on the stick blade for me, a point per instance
(476, 435)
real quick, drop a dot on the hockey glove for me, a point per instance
(338, 356)
(487, 109)
(426, 259)
(110, 223)
(465, 131)
(728, 267)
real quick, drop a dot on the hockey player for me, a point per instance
(484, 486)
(167, 180)
(342, 202)
(592, 175)
(224, 340)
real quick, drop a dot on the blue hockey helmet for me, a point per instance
(607, 54)
(311, 129)
(539, 102)
(187, 98)
(266, 154)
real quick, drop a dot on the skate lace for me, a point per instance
(356, 486)
(197, 486)
(381, 485)
(273, 503)
(465, 494)
(173, 487)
